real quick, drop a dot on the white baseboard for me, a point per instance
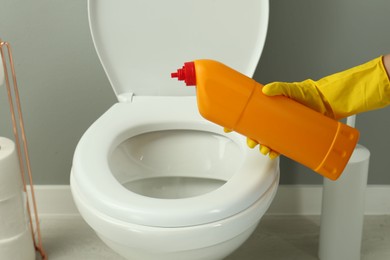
(54, 200)
(307, 199)
(289, 200)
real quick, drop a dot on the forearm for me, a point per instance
(386, 63)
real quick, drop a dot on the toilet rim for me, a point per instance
(100, 189)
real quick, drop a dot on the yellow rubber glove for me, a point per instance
(362, 88)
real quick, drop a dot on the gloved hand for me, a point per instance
(359, 89)
(252, 144)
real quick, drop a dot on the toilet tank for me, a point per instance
(139, 42)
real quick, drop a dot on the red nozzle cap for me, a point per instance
(186, 73)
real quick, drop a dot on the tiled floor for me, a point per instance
(277, 237)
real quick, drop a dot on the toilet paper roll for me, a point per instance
(20, 247)
(13, 216)
(10, 177)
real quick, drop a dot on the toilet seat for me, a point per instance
(102, 191)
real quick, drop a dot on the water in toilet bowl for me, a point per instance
(196, 163)
(173, 187)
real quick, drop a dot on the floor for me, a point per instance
(277, 237)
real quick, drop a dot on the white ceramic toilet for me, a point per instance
(152, 177)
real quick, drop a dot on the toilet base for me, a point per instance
(216, 252)
(214, 240)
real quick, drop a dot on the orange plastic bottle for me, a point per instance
(235, 101)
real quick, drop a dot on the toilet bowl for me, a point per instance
(152, 177)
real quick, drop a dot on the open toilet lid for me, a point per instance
(140, 43)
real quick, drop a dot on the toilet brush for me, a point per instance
(17, 201)
(343, 204)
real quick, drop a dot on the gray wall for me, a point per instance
(63, 87)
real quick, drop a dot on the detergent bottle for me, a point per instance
(235, 101)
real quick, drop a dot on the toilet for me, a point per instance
(151, 177)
